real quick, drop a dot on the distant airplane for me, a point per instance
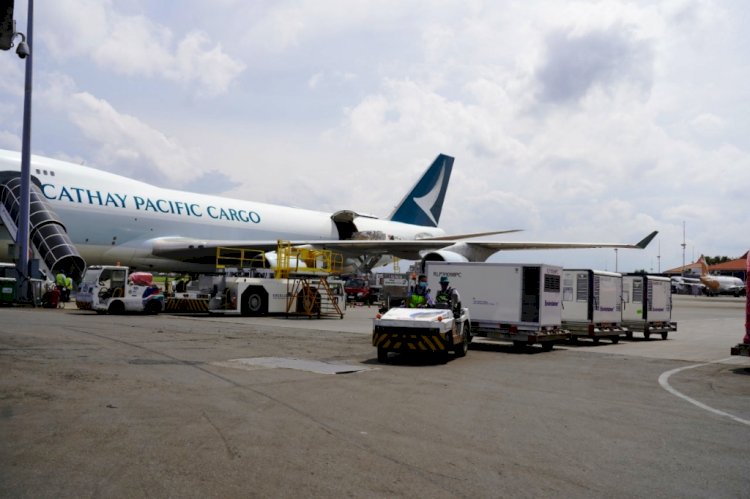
(80, 215)
(720, 284)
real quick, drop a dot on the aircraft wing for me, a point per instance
(204, 251)
(521, 245)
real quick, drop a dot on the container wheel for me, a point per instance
(519, 345)
(629, 335)
(596, 340)
(615, 339)
(547, 346)
(664, 335)
(647, 334)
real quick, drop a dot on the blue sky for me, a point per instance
(575, 121)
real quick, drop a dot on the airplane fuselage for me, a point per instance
(113, 219)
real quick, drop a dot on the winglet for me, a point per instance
(424, 202)
(646, 240)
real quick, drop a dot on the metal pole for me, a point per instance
(22, 236)
(615, 259)
(746, 339)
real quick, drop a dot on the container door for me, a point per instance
(530, 294)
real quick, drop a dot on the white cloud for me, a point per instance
(134, 45)
(121, 142)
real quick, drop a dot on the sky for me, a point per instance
(574, 121)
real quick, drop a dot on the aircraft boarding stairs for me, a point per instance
(49, 237)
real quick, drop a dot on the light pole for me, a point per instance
(22, 234)
(616, 259)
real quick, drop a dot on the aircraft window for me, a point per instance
(38, 171)
(44, 172)
(51, 173)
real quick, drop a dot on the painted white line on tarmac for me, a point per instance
(664, 382)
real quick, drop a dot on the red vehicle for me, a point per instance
(358, 290)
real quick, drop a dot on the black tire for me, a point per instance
(382, 355)
(153, 307)
(519, 345)
(117, 307)
(646, 334)
(664, 335)
(254, 301)
(462, 348)
(614, 339)
(629, 335)
(547, 346)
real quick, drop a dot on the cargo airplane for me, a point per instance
(81, 215)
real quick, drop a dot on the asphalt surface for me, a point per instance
(152, 406)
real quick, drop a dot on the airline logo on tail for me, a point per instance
(424, 203)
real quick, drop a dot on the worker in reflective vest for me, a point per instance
(420, 296)
(447, 297)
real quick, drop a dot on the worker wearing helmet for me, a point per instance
(447, 297)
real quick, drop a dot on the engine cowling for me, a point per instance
(444, 256)
(459, 252)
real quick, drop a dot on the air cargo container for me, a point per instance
(592, 304)
(647, 305)
(519, 303)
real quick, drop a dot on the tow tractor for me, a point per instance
(114, 289)
(422, 330)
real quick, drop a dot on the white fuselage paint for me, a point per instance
(114, 219)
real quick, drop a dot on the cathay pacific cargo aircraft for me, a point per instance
(81, 215)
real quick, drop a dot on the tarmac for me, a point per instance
(196, 406)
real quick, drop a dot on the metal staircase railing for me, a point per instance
(48, 235)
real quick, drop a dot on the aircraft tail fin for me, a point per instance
(423, 204)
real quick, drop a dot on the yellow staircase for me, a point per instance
(307, 270)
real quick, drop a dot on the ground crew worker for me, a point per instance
(420, 296)
(62, 284)
(69, 287)
(448, 297)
